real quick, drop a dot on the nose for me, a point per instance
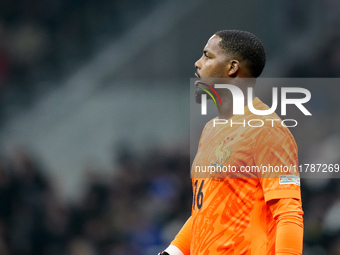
(198, 64)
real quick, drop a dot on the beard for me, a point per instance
(199, 92)
(198, 95)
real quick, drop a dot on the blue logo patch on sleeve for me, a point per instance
(289, 179)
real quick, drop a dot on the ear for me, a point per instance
(233, 68)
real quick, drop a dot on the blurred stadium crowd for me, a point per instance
(128, 214)
(141, 207)
(41, 42)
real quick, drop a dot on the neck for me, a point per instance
(225, 111)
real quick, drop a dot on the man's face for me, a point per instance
(212, 64)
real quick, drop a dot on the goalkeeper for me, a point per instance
(256, 213)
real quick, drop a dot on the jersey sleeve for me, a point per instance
(183, 238)
(289, 226)
(275, 152)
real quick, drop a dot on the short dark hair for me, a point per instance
(245, 46)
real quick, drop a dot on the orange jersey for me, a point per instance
(238, 169)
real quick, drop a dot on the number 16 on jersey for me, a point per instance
(198, 195)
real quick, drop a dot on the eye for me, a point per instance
(205, 53)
